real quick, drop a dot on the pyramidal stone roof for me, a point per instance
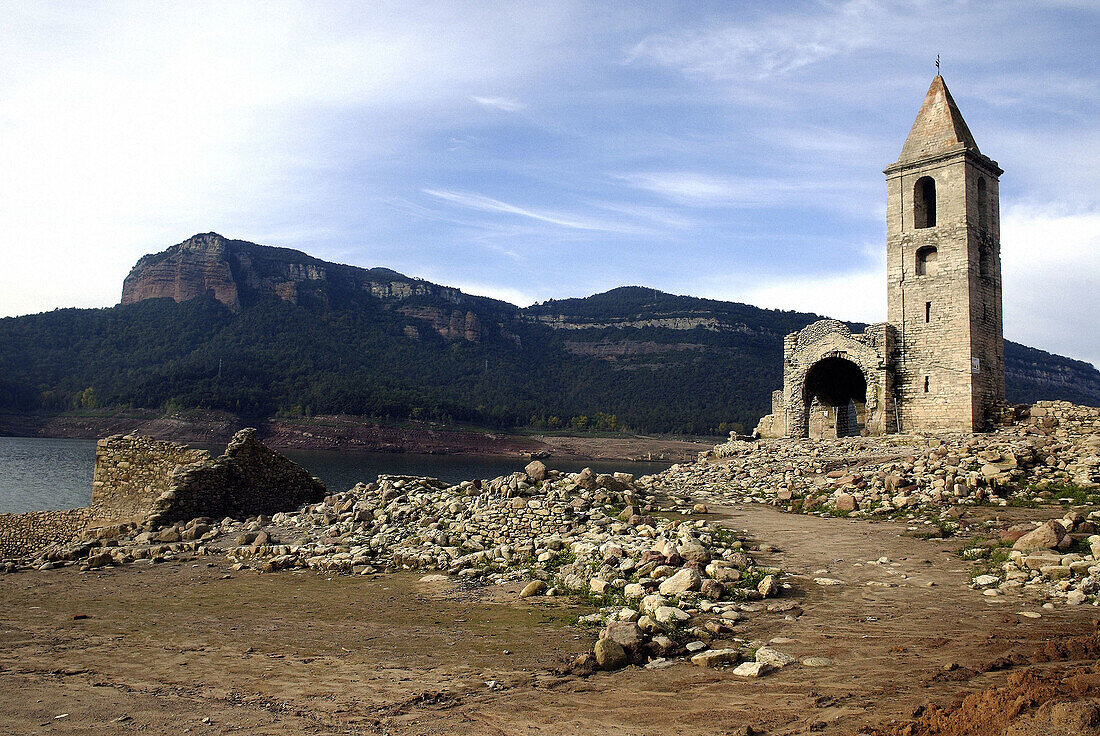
(939, 127)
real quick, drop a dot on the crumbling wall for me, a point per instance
(248, 479)
(152, 483)
(1073, 417)
(132, 472)
(26, 533)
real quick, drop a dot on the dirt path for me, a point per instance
(164, 647)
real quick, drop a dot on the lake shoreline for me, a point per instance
(359, 434)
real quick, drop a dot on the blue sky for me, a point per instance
(541, 150)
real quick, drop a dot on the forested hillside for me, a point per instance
(289, 334)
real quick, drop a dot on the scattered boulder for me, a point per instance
(610, 655)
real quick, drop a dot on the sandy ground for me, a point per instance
(158, 649)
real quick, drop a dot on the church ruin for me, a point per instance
(937, 363)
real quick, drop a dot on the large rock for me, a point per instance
(846, 502)
(626, 634)
(536, 470)
(586, 479)
(1046, 536)
(610, 655)
(683, 581)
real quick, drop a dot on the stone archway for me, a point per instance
(835, 396)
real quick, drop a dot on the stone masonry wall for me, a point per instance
(23, 534)
(247, 480)
(1073, 417)
(152, 483)
(132, 472)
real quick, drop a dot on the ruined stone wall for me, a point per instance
(1083, 420)
(26, 533)
(132, 472)
(247, 480)
(152, 483)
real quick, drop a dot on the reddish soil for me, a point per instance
(913, 650)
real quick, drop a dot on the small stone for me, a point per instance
(670, 614)
(768, 587)
(828, 581)
(817, 662)
(683, 581)
(716, 657)
(984, 580)
(774, 657)
(695, 646)
(752, 669)
(535, 587)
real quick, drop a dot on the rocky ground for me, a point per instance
(898, 586)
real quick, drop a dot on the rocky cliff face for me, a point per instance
(236, 272)
(195, 267)
(629, 328)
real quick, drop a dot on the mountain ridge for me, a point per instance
(226, 324)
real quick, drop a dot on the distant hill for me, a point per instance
(230, 325)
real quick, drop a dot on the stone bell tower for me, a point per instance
(944, 274)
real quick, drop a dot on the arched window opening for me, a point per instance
(983, 204)
(836, 388)
(928, 261)
(924, 202)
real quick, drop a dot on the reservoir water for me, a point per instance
(38, 474)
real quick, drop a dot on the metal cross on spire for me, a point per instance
(937, 65)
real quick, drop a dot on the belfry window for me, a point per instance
(927, 261)
(983, 204)
(924, 202)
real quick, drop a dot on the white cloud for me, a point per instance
(1050, 261)
(858, 295)
(703, 189)
(500, 103)
(488, 204)
(494, 291)
(770, 47)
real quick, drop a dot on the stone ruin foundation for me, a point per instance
(152, 483)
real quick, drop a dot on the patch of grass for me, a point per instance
(725, 537)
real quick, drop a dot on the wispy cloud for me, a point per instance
(482, 203)
(500, 103)
(769, 47)
(704, 189)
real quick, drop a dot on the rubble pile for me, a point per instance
(1057, 560)
(1053, 452)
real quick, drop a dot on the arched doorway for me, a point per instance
(835, 394)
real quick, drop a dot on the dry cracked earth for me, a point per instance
(191, 647)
